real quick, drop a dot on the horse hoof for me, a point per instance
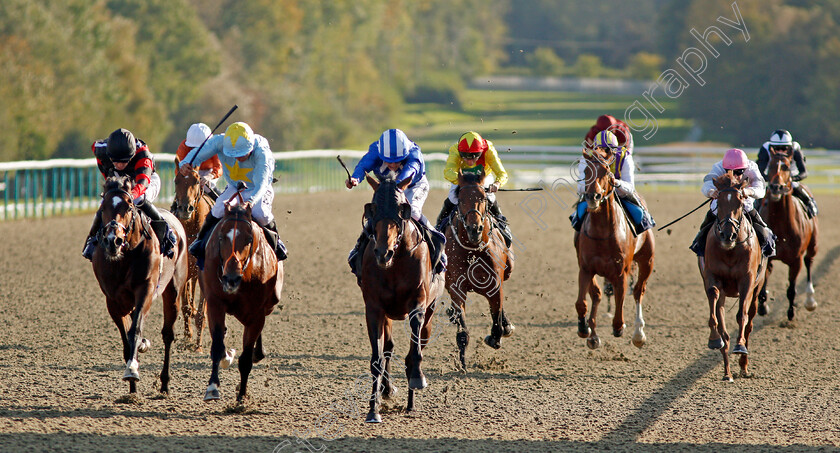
(132, 372)
(507, 330)
(639, 340)
(583, 329)
(212, 393)
(716, 344)
(373, 417)
(593, 342)
(728, 379)
(388, 394)
(145, 344)
(619, 332)
(762, 309)
(790, 314)
(810, 304)
(228, 360)
(739, 349)
(492, 342)
(417, 383)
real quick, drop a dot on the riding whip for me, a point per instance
(686, 215)
(345, 166)
(213, 131)
(526, 189)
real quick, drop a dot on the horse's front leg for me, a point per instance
(216, 326)
(122, 322)
(375, 327)
(457, 316)
(188, 309)
(744, 360)
(645, 268)
(136, 342)
(200, 316)
(585, 330)
(723, 335)
(494, 340)
(793, 272)
(388, 389)
(416, 379)
(810, 252)
(762, 294)
(620, 285)
(171, 297)
(715, 340)
(745, 296)
(246, 361)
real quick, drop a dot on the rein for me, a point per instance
(735, 223)
(238, 219)
(462, 220)
(114, 224)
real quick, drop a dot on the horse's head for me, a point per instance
(237, 243)
(187, 193)
(472, 204)
(778, 170)
(119, 216)
(599, 181)
(388, 213)
(730, 210)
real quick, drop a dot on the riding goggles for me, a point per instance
(466, 155)
(739, 171)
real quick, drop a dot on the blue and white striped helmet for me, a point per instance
(394, 145)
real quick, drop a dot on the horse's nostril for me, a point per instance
(118, 242)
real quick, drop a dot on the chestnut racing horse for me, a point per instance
(191, 206)
(397, 283)
(605, 246)
(796, 233)
(131, 272)
(733, 267)
(241, 277)
(479, 261)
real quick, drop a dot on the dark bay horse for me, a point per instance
(241, 277)
(605, 246)
(191, 206)
(733, 267)
(131, 272)
(397, 283)
(796, 233)
(479, 261)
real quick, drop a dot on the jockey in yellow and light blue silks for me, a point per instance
(472, 151)
(246, 158)
(623, 170)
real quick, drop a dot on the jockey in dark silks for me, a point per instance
(782, 141)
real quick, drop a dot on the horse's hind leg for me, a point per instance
(246, 360)
(375, 328)
(457, 316)
(259, 352)
(188, 310)
(200, 316)
(620, 285)
(170, 315)
(793, 272)
(715, 340)
(645, 268)
(494, 340)
(388, 389)
(586, 329)
(810, 301)
(723, 335)
(744, 360)
(417, 321)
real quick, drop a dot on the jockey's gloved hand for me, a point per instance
(352, 182)
(493, 187)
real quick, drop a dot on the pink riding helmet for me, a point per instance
(735, 159)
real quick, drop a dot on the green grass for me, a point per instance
(517, 118)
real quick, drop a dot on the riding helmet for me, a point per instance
(121, 146)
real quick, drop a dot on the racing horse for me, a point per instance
(796, 233)
(605, 246)
(243, 278)
(397, 283)
(479, 261)
(733, 267)
(191, 206)
(131, 272)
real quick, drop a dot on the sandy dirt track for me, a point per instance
(60, 355)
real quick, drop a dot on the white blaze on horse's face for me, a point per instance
(116, 201)
(232, 235)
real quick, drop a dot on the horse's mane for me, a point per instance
(239, 211)
(116, 182)
(472, 178)
(728, 181)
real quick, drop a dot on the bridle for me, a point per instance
(736, 224)
(193, 202)
(113, 224)
(238, 218)
(775, 187)
(594, 159)
(378, 216)
(461, 219)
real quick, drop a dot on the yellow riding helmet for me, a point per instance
(605, 139)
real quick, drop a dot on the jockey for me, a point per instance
(125, 155)
(782, 141)
(623, 169)
(736, 162)
(395, 155)
(211, 169)
(248, 160)
(471, 151)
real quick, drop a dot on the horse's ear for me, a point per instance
(718, 182)
(405, 211)
(370, 210)
(404, 183)
(228, 207)
(372, 181)
(743, 184)
(177, 161)
(460, 177)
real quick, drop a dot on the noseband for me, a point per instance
(239, 219)
(113, 223)
(777, 188)
(736, 224)
(194, 202)
(462, 219)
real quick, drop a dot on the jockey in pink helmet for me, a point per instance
(735, 161)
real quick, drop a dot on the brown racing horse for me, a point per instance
(131, 272)
(191, 206)
(241, 277)
(397, 283)
(479, 261)
(733, 267)
(605, 246)
(796, 233)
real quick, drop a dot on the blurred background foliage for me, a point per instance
(328, 74)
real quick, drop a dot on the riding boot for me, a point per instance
(356, 255)
(578, 215)
(274, 241)
(213, 193)
(447, 208)
(197, 247)
(647, 221)
(765, 236)
(809, 202)
(437, 244)
(699, 244)
(502, 221)
(90, 241)
(166, 237)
